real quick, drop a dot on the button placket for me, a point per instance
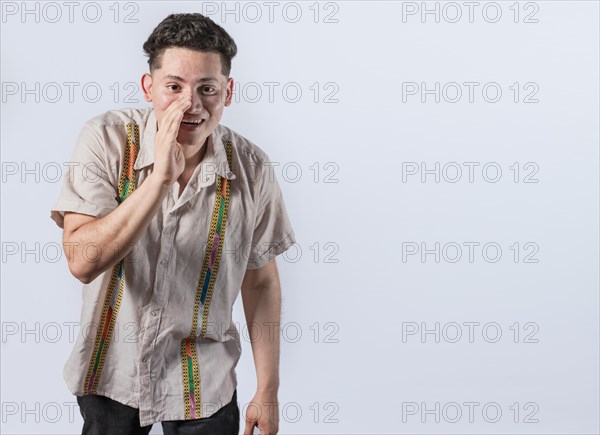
(152, 321)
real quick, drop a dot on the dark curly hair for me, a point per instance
(193, 31)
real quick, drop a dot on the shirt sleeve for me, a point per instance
(87, 187)
(273, 232)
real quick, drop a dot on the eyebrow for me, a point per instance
(180, 79)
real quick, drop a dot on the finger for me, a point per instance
(266, 429)
(173, 119)
(179, 105)
(249, 427)
(175, 111)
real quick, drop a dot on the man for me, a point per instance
(167, 214)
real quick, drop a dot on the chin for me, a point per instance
(189, 138)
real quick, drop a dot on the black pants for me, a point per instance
(104, 416)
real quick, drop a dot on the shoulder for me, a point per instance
(246, 149)
(120, 118)
(251, 164)
(107, 132)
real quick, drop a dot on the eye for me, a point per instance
(173, 87)
(208, 90)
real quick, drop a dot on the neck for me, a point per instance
(194, 154)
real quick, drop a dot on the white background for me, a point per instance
(351, 294)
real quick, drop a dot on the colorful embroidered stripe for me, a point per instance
(210, 267)
(112, 301)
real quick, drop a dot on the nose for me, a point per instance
(196, 106)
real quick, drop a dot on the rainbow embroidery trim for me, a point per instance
(210, 267)
(112, 301)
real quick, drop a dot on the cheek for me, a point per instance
(212, 105)
(162, 101)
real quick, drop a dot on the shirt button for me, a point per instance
(153, 312)
(143, 360)
(163, 261)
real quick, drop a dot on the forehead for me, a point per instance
(189, 64)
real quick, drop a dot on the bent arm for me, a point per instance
(113, 236)
(94, 245)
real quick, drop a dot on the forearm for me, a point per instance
(98, 245)
(262, 306)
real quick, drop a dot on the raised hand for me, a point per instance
(169, 161)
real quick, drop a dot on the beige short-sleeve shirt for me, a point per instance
(161, 337)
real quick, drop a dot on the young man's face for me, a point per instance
(194, 73)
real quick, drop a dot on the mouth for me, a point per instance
(190, 124)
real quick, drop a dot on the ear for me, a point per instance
(229, 92)
(147, 87)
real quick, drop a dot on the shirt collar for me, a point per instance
(216, 155)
